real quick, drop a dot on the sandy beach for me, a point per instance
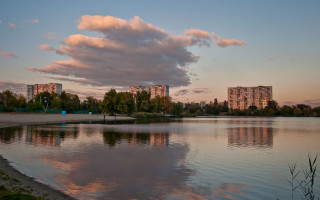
(19, 182)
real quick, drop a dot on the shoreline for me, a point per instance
(17, 181)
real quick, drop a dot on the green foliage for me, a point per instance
(192, 108)
(155, 106)
(56, 103)
(177, 109)
(143, 101)
(166, 104)
(297, 112)
(90, 104)
(286, 110)
(6, 194)
(35, 106)
(108, 105)
(316, 110)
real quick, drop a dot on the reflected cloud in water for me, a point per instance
(127, 171)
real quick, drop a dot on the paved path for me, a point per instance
(8, 119)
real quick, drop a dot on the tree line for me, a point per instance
(126, 103)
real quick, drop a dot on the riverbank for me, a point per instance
(18, 182)
(16, 119)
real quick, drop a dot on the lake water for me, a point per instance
(198, 158)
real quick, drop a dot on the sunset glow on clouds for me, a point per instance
(46, 47)
(7, 54)
(130, 52)
(187, 45)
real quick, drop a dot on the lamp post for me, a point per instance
(45, 100)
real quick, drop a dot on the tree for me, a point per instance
(215, 102)
(317, 110)
(297, 112)
(286, 110)
(90, 104)
(155, 106)
(143, 101)
(44, 98)
(273, 105)
(8, 99)
(21, 102)
(165, 103)
(177, 109)
(35, 105)
(56, 103)
(108, 104)
(307, 112)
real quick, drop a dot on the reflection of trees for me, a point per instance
(261, 137)
(50, 135)
(154, 139)
(10, 134)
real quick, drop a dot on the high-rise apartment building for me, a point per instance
(135, 89)
(159, 90)
(34, 90)
(155, 90)
(244, 97)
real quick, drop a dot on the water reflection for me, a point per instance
(11, 134)
(153, 139)
(259, 137)
(125, 172)
(49, 135)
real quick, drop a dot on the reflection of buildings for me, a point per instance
(159, 139)
(34, 90)
(251, 137)
(37, 135)
(244, 97)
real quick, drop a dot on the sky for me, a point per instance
(198, 48)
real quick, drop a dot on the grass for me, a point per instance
(6, 194)
(305, 183)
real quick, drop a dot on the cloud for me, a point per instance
(83, 94)
(229, 42)
(191, 91)
(0, 22)
(51, 35)
(7, 54)
(31, 21)
(312, 102)
(46, 47)
(12, 26)
(129, 52)
(13, 86)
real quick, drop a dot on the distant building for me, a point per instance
(159, 90)
(155, 90)
(135, 89)
(34, 90)
(244, 97)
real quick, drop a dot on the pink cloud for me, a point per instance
(32, 21)
(129, 52)
(0, 22)
(46, 47)
(198, 33)
(229, 42)
(12, 26)
(7, 54)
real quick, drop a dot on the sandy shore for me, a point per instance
(19, 182)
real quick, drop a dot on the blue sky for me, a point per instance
(281, 45)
